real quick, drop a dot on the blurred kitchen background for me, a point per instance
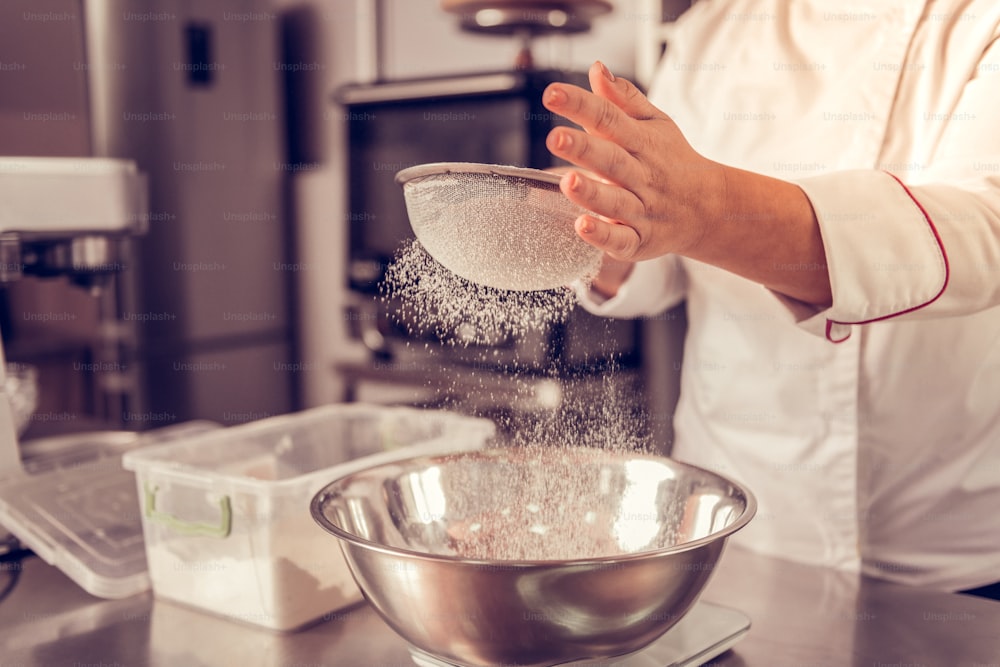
(269, 132)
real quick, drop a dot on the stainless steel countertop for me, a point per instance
(802, 617)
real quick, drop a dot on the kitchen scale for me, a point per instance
(705, 632)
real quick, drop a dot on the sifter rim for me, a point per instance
(441, 168)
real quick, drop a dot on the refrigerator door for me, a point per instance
(193, 92)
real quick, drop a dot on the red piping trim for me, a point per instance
(947, 272)
(829, 330)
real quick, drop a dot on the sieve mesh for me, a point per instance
(503, 227)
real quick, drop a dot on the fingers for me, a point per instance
(595, 114)
(615, 239)
(604, 199)
(600, 156)
(621, 92)
(612, 146)
(606, 112)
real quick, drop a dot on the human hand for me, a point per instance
(651, 192)
(612, 272)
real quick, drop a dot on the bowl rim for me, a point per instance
(319, 498)
(441, 168)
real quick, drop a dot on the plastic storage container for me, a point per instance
(226, 515)
(76, 508)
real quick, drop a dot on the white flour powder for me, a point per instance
(554, 508)
(433, 298)
(278, 574)
(555, 503)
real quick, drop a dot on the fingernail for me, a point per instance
(555, 96)
(564, 140)
(607, 73)
(586, 225)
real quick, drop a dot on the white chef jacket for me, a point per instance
(869, 431)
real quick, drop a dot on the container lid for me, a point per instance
(281, 454)
(75, 506)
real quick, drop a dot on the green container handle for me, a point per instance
(183, 527)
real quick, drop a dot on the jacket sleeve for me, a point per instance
(925, 248)
(653, 286)
(897, 251)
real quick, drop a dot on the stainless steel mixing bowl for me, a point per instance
(532, 556)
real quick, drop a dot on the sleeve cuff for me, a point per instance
(650, 288)
(883, 252)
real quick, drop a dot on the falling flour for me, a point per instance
(555, 503)
(555, 508)
(432, 297)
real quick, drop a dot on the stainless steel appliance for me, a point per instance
(68, 217)
(192, 93)
(63, 217)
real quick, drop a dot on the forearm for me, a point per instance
(765, 230)
(609, 279)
